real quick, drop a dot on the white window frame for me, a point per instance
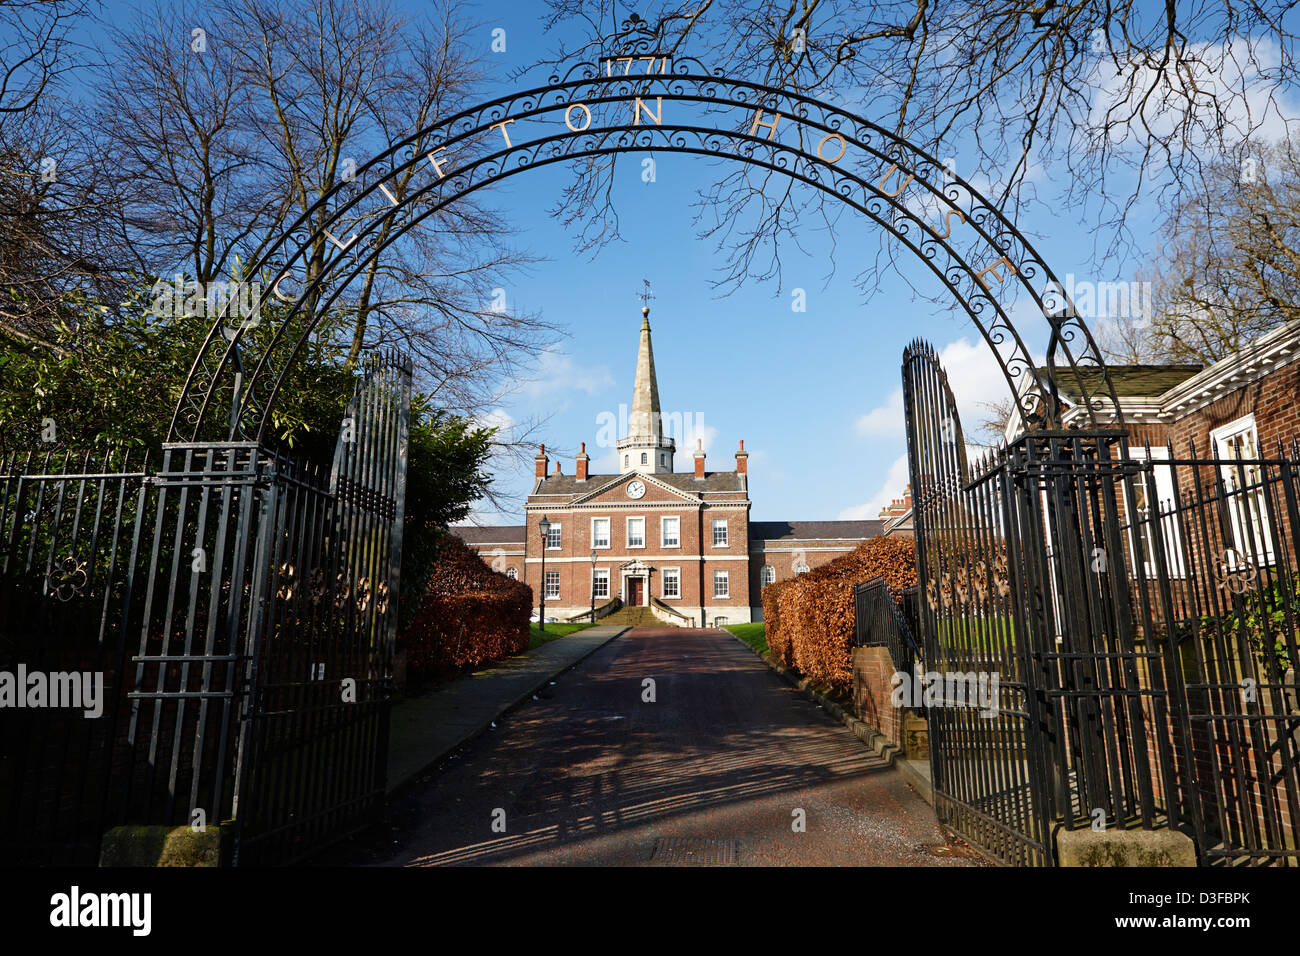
(721, 621)
(609, 530)
(676, 576)
(663, 531)
(1233, 477)
(555, 529)
(597, 576)
(512, 573)
(546, 585)
(1168, 518)
(725, 581)
(629, 532)
(766, 576)
(726, 533)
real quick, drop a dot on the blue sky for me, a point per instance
(815, 395)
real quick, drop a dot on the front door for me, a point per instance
(636, 591)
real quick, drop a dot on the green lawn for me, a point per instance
(755, 635)
(538, 637)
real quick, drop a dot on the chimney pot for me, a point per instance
(742, 459)
(582, 463)
(699, 458)
(542, 461)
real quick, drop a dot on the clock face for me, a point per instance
(635, 489)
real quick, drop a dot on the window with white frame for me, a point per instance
(671, 532)
(719, 532)
(721, 584)
(672, 582)
(512, 573)
(1243, 488)
(600, 532)
(719, 622)
(636, 532)
(600, 582)
(553, 535)
(644, 459)
(767, 575)
(1154, 495)
(552, 584)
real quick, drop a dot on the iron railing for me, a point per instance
(1139, 613)
(238, 609)
(879, 621)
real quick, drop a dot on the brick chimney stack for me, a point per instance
(557, 466)
(583, 460)
(742, 459)
(699, 459)
(542, 461)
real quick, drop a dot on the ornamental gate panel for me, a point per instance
(239, 608)
(1143, 643)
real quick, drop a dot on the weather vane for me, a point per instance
(646, 295)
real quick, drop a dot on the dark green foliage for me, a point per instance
(116, 377)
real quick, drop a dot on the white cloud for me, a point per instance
(557, 373)
(498, 418)
(1233, 86)
(892, 488)
(975, 377)
(694, 428)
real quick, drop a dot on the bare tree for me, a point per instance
(1128, 98)
(230, 136)
(59, 210)
(1228, 269)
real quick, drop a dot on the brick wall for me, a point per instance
(873, 671)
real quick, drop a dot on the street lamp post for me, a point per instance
(545, 527)
(593, 587)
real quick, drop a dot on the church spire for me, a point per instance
(645, 437)
(645, 420)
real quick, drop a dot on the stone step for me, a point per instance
(633, 616)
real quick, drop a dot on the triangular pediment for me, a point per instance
(614, 492)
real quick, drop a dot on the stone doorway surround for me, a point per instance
(633, 571)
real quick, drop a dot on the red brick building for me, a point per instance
(679, 543)
(1242, 406)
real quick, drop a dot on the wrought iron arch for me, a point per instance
(1006, 255)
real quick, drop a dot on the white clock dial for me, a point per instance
(635, 489)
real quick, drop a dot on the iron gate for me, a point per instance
(1130, 693)
(239, 608)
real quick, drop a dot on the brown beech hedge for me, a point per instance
(471, 615)
(809, 619)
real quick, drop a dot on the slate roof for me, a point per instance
(492, 534)
(1131, 381)
(683, 481)
(812, 530)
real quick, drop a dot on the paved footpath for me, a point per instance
(591, 773)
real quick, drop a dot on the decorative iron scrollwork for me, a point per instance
(342, 590)
(381, 598)
(67, 579)
(1236, 572)
(288, 582)
(363, 594)
(317, 589)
